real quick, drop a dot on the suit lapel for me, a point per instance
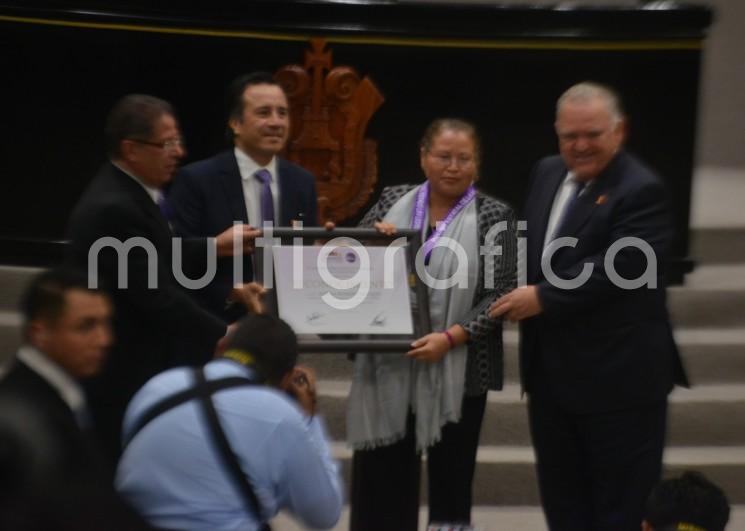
(546, 201)
(285, 188)
(45, 393)
(143, 201)
(538, 212)
(585, 205)
(232, 184)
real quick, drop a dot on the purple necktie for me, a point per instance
(267, 200)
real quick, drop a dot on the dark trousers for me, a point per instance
(385, 481)
(595, 471)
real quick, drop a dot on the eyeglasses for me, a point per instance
(589, 136)
(172, 144)
(445, 159)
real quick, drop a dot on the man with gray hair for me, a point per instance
(597, 352)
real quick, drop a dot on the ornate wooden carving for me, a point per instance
(330, 109)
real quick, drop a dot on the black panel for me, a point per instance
(60, 81)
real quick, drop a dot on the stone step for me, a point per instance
(718, 276)
(714, 295)
(718, 245)
(711, 356)
(10, 334)
(704, 415)
(486, 518)
(704, 307)
(505, 475)
(483, 518)
(13, 282)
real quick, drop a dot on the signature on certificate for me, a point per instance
(314, 317)
(379, 320)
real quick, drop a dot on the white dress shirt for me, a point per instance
(56, 376)
(252, 187)
(173, 475)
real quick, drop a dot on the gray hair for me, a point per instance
(589, 90)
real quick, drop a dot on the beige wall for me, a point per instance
(721, 129)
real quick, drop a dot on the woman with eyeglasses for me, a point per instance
(432, 399)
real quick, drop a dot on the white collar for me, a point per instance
(584, 185)
(249, 166)
(56, 376)
(153, 192)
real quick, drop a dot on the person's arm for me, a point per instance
(371, 216)
(502, 268)
(435, 345)
(476, 322)
(314, 491)
(642, 214)
(387, 199)
(186, 201)
(166, 304)
(310, 478)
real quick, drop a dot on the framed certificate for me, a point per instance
(354, 295)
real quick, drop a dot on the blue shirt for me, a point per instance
(172, 474)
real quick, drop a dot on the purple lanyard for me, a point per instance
(420, 209)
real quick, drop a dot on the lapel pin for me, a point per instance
(602, 199)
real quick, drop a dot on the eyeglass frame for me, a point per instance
(445, 161)
(168, 145)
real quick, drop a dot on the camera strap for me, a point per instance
(203, 391)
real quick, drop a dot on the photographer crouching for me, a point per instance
(230, 444)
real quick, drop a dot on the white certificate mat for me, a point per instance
(351, 294)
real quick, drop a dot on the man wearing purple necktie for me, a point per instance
(249, 183)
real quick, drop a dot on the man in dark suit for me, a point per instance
(51, 475)
(597, 353)
(157, 324)
(249, 183)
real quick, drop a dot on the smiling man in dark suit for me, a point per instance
(597, 353)
(157, 324)
(249, 183)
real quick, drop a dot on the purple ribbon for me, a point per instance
(420, 209)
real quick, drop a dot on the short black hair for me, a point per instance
(234, 96)
(44, 298)
(133, 116)
(269, 341)
(691, 499)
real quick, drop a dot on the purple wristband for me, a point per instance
(450, 338)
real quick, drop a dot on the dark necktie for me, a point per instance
(267, 200)
(83, 418)
(574, 194)
(164, 206)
